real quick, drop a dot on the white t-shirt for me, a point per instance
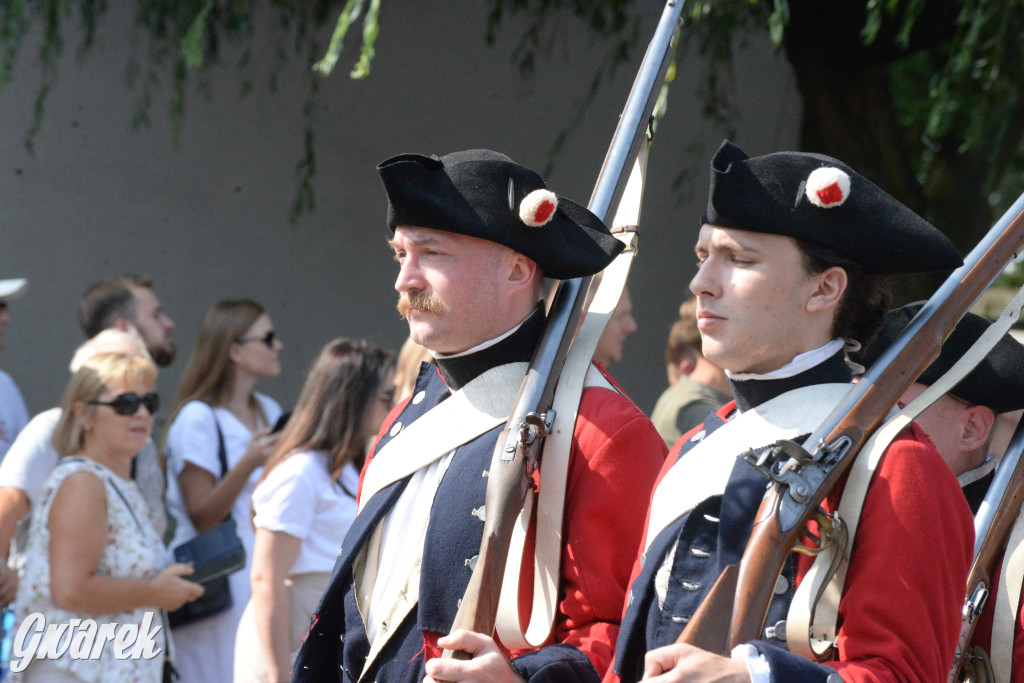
(13, 413)
(299, 498)
(193, 438)
(204, 650)
(32, 456)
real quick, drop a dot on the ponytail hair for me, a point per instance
(862, 308)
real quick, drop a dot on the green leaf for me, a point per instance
(192, 43)
(348, 15)
(872, 22)
(777, 21)
(370, 31)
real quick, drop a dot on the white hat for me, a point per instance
(12, 289)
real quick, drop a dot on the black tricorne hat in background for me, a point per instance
(485, 194)
(821, 200)
(997, 381)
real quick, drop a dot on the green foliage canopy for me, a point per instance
(924, 96)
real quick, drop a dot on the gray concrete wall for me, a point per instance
(207, 215)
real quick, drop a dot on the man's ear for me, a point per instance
(522, 269)
(121, 324)
(827, 289)
(977, 427)
(686, 366)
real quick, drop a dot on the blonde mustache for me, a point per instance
(423, 302)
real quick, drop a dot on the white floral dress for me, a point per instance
(134, 550)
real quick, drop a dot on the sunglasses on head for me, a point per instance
(128, 404)
(267, 339)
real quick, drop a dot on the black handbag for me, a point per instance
(215, 554)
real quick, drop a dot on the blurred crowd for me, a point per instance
(93, 504)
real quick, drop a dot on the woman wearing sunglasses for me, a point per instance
(219, 412)
(306, 501)
(92, 552)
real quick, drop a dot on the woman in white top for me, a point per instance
(92, 554)
(237, 347)
(305, 502)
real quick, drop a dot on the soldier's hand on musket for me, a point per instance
(487, 666)
(681, 662)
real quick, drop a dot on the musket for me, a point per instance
(518, 449)
(801, 479)
(992, 527)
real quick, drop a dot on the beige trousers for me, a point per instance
(304, 591)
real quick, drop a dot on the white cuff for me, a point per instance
(757, 666)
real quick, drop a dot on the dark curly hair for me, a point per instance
(862, 309)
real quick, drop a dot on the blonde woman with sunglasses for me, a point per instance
(92, 553)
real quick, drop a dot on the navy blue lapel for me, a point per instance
(632, 643)
(632, 640)
(454, 533)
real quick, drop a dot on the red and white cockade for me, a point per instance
(828, 187)
(538, 207)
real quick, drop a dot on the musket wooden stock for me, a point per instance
(506, 490)
(714, 613)
(770, 544)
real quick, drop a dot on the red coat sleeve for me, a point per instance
(616, 456)
(901, 608)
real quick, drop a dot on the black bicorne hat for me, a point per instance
(487, 195)
(997, 381)
(821, 200)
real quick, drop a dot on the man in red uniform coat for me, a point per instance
(473, 234)
(960, 424)
(789, 255)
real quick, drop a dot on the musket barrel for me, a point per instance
(1000, 483)
(629, 133)
(633, 122)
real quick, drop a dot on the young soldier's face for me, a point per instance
(752, 292)
(450, 287)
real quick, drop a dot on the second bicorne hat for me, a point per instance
(821, 200)
(997, 381)
(485, 194)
